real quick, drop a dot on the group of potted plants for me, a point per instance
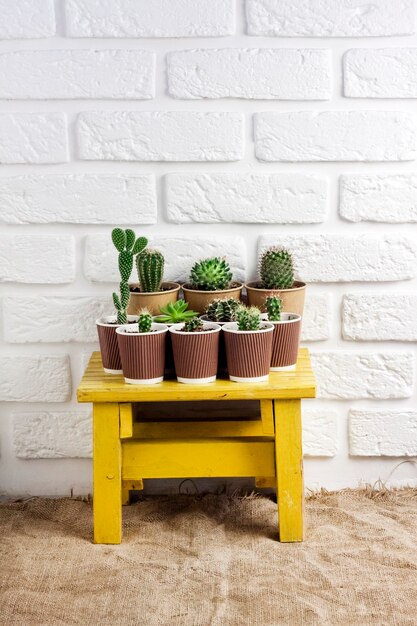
(208, 334)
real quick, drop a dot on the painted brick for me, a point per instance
(53, 318)
(100, 264)
(384, 73)
(246, 197)
(27, 19)
(335, 136)
(33, 138)
(58, 74)
(160, 136)
(78, 199)
(141, 18)
(357, 375)
(319, 432)
(330, 18)
(37, 259)
(383, 433)
(250, 73)
(380, 317)
(45, 435)
(379, 198)
(336, 258)
(317, 317)
(35, 378)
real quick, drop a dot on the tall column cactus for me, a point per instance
(150, 266)
(127, 245)
(277, 270)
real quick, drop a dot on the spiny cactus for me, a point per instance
(210, 274)
(127, 246)
(193, 325)
(273, 307)
(175, 312)
(277, 269)
(248, 318)
(144, 321)
(150, 266)
(222, 310)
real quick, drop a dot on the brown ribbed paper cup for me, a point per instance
(195, 354)
(109, 348)
(248, 352)
(142, 354)
(285, 343)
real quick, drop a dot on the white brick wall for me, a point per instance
(250, 73)
(213, 128)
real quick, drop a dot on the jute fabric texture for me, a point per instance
(212, 561)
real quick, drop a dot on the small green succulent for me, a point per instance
(210, 274)
(144, 321)
(193, 325)
(175, 312)
(222, 310)
(274, 307)
(248, 318)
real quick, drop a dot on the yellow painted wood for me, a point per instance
(127, 487)
(266, 481)
(289, 469)
(126, 420)
(96, 386)
(107, 494)
(197, 458)
(193, 430)
(267, 416)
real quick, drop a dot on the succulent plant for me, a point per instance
(127, 246)
(175, 312)
(144, 321)
(248, 318)
(150, 266)
(193, 325)
(222, 310)
(210, 274)
(273, 307)
(277, 269)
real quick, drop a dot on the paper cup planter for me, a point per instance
(109, 348)
(286, 340)
(195, 353)
(248, 352)
(142, 354)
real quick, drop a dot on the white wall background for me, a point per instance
(239, 153)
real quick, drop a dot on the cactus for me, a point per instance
(144, 321)
(175, 312)
(210, 274)
(277, 270)
(193, 325)
(150, 266)
(222, 310)
(248, 318)
(273, 307)
(127, 246)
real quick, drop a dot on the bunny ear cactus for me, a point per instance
(144, 321)
(274, 308)
(211, 275)
(248, 318)
(222, 310)
(127, 246)
(150, 266)
(277, 269)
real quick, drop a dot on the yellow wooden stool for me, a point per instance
(128, 447)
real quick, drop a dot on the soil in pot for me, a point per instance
(199, 300)
(286, 340)
(109, 348)
(142, 354)
(152, 300)
(195, 353)
(292, 299)
(248, 352)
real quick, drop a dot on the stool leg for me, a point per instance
(107, 460)
(289, 469)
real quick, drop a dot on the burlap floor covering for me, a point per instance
(212, 561)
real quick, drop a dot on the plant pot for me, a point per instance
(199, 300)
(286, 340)
(195, 354)
(292, 299)
(142, 354)
(222, 364)
(109, 348)
(248, 352)
(152, 300)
